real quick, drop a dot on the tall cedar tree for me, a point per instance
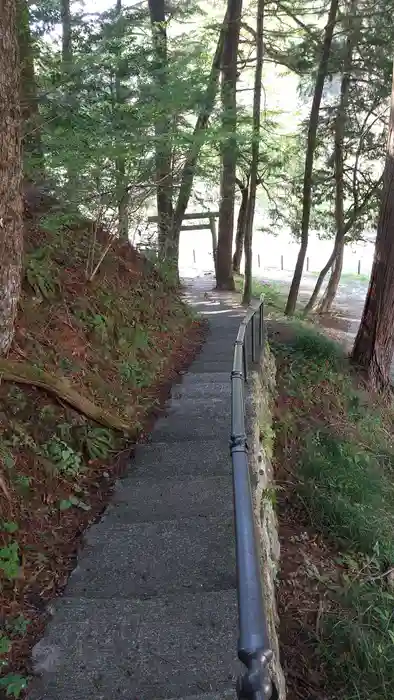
(32, 146)
(163, 149)
(374, 345)
(336, 258)
(224, 273)
(310, 152)
(122, 194)
(247, 294)
(11, 223)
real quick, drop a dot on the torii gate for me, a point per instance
(210, 225)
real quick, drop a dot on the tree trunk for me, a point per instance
(197, 138)
(67, 53)
(32, 146)
(333, 283)
(336, 258)
(122, 193)
(374, 345)
(224, 279)
(311, 303)
(240, 234)
(310, 151)
(163, 120)
(247, 293)
(11, 224)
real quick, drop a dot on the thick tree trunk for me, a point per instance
(247, 293)
(333, 283)
(197, 138)
(374, 345)
(32, 145)
(241, 221)
(11, 224)
(163, 121)
(310, 151)
(224, 278)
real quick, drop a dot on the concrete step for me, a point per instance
(136, 500)
(151, 559)
(212, 366)
(139, 650)
(181, 460)
(220, 377)
(196, 410)
(192, 426)
(202, 390)
(229, 694)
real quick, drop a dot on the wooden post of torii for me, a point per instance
(210, 215)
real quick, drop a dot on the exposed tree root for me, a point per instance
(23, 373)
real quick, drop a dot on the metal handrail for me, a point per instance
(253, 644)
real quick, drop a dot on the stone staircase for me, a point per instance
(150, 610)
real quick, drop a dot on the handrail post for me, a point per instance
(253, 338)
(261, 324)
(245, 361)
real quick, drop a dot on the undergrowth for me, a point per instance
(115, 340)
(336, 439)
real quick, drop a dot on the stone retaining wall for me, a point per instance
(262, 387)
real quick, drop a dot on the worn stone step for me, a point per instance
(136, 500)
(145, 650)
(213, 366)
(150, 559)
(195, 411)
(202, 390)
(192, 425)
(229, 694)
(220, 377)
(181, 460)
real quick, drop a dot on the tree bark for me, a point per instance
(374, 345)
(247, 293)
(11, 224)
(333, 283)
(197, 139)
(224, 279)
(240, 233)
(32, 145)
(336, 258)
(67, 52)
(310, 151)
(352, 217)
(163, 121)
(122, 193)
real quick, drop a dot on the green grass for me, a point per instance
(341, 441)
(354, 276)
(274, 296)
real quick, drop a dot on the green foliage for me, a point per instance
(136, 372)
(274, 298)
(347, 494)
(97, 442)
(357, 641)
(40, 274)
(67, 503)
(9, 560)
(64, 458)
(344, 457)
(13, 684)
